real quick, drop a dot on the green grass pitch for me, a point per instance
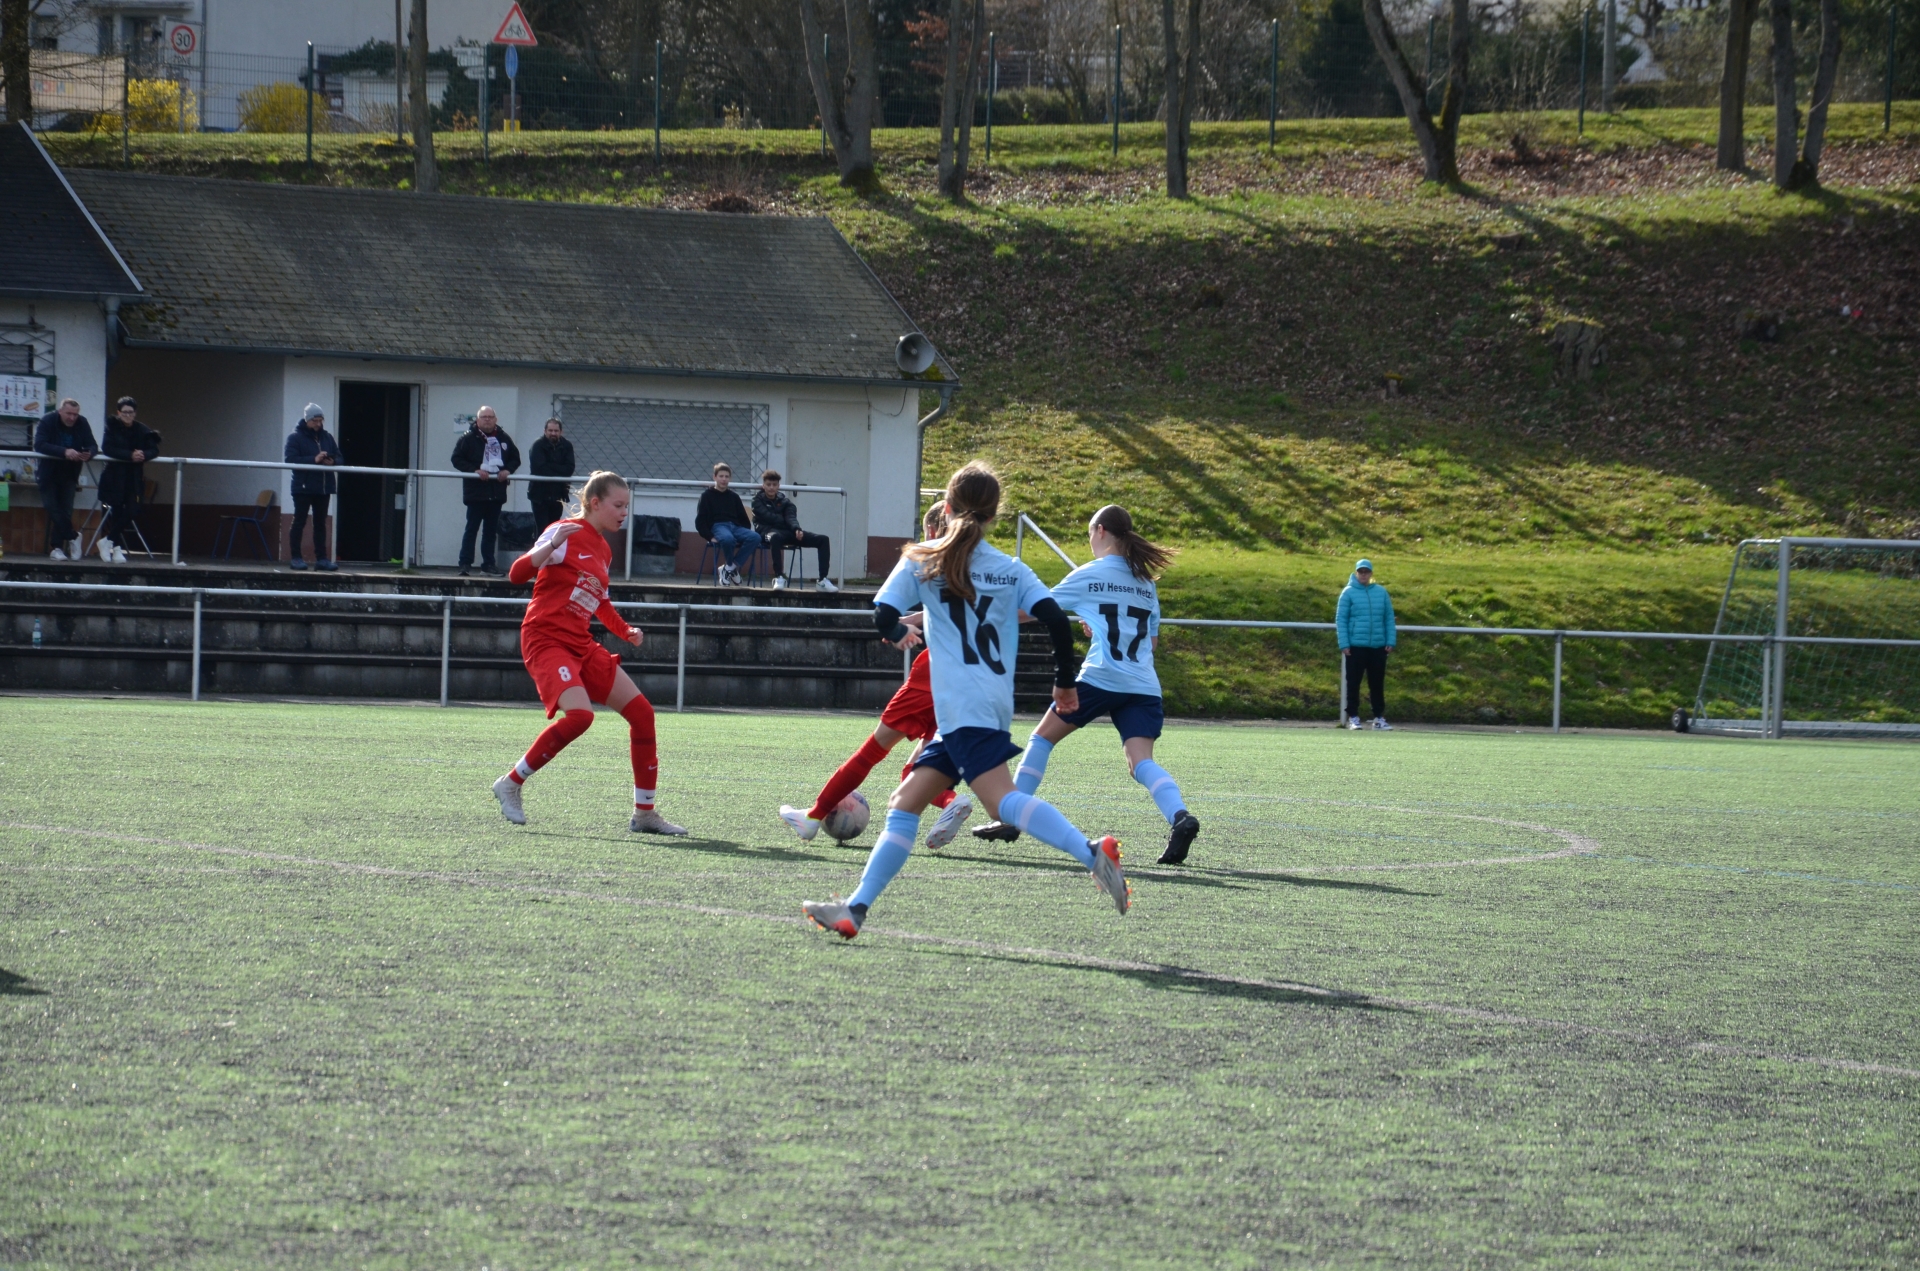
(282, 989)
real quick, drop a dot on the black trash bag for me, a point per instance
(516, 530)
(656, 535)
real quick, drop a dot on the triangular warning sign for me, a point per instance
(515, 30)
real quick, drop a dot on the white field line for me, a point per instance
(1035, 955)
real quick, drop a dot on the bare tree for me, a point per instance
(957, 94)
(16, 59)
(425, 179)
(1439, 142)
(1792, 170)
(1181, 90)
(847, 114)
(1731, 154)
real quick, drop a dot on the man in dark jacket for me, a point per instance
(776, 519)
(64, 441)
(123, 485)
(485, 450)
(550, 456)
(312, 443)
(721, 519)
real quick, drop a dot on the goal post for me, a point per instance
(1811, 599)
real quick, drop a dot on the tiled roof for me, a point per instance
(48, 246)
(388, 274)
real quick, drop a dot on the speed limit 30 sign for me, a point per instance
(182, 39)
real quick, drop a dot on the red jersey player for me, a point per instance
(909, 714)
(568, 567)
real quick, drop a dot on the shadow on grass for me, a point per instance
(1060, 867)
(1179, 979)
(1291, 880)
(714, 847)
(12, 985)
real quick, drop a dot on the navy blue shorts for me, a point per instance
(1134, 714)
(966, 753)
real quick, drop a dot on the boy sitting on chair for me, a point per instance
(777, 520)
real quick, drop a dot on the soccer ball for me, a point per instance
(849, 820)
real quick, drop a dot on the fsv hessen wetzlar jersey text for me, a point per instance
(1124, 613)
(974, 643)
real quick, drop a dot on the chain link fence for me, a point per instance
(1318, 63)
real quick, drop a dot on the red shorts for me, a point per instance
(910, 713)
(556, 669)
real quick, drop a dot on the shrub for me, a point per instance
(154, 105)
(282, 107)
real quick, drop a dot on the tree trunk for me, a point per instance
(1732, 153)
(1176, 157)
(16, 59)
(1439, 143)
(957, 96)
(1806, 173)
(847, 115)
(425, 179)
(1786, 121)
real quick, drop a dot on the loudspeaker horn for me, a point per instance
(913, 354)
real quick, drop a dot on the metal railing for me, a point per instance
(1559, 635)
(412, 476)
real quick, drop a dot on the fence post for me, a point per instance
(1340, 701)
(826, 67)
(1116, 90)
(486, 75)
(680, 672)
(409, 486)
(1609, 34)
(993, 79)
(179, 480)
(1019, 535)
(197, 597)
(629, 543)
(309, 105)
(446, 646)
(1559, 645)
(1893, 21)
(126, 113)
(1273, 84)
(1586, 22)
(659, 60)
(842, 571)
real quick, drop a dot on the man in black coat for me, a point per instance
(64, 441)
(123, 485)
(776, 519)
(311, 443)
(486, 451)
(550, 456)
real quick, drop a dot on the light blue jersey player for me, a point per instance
(972, 594)
(1114, 595)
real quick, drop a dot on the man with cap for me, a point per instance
(312, 443)
(1363, 621)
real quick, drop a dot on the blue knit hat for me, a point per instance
(1363, 563)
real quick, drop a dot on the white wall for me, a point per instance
(281, 28)
(79, 349)
(212, 405)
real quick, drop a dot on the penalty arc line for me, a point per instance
(1037, 956)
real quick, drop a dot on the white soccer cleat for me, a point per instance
(1106, 872)
(648, 821)
(799, 822)
(507, 790)
(951, 818)
(835, 915)
(826, 585)
(1382, 725)
(1353, 722)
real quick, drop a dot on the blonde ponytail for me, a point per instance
(598, 486)
(972, 504)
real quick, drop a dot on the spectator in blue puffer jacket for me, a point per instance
(310, 442)
(1364, 623)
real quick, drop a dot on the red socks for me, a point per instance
(551, 742)
(848, 777)
(646, 753)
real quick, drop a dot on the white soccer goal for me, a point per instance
(1843, 657)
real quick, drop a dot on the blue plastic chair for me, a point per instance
(231, 524)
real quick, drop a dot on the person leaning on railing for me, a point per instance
(124, 483)
(64, 442)
(310, 442)
(551, 455)
(486, 451)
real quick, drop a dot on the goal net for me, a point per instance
(1836, 588)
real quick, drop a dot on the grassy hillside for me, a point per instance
(1223, 365)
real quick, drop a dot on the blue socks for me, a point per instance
(1161, 785)
(1031, 815)
(888, 855)
(1033, 766)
